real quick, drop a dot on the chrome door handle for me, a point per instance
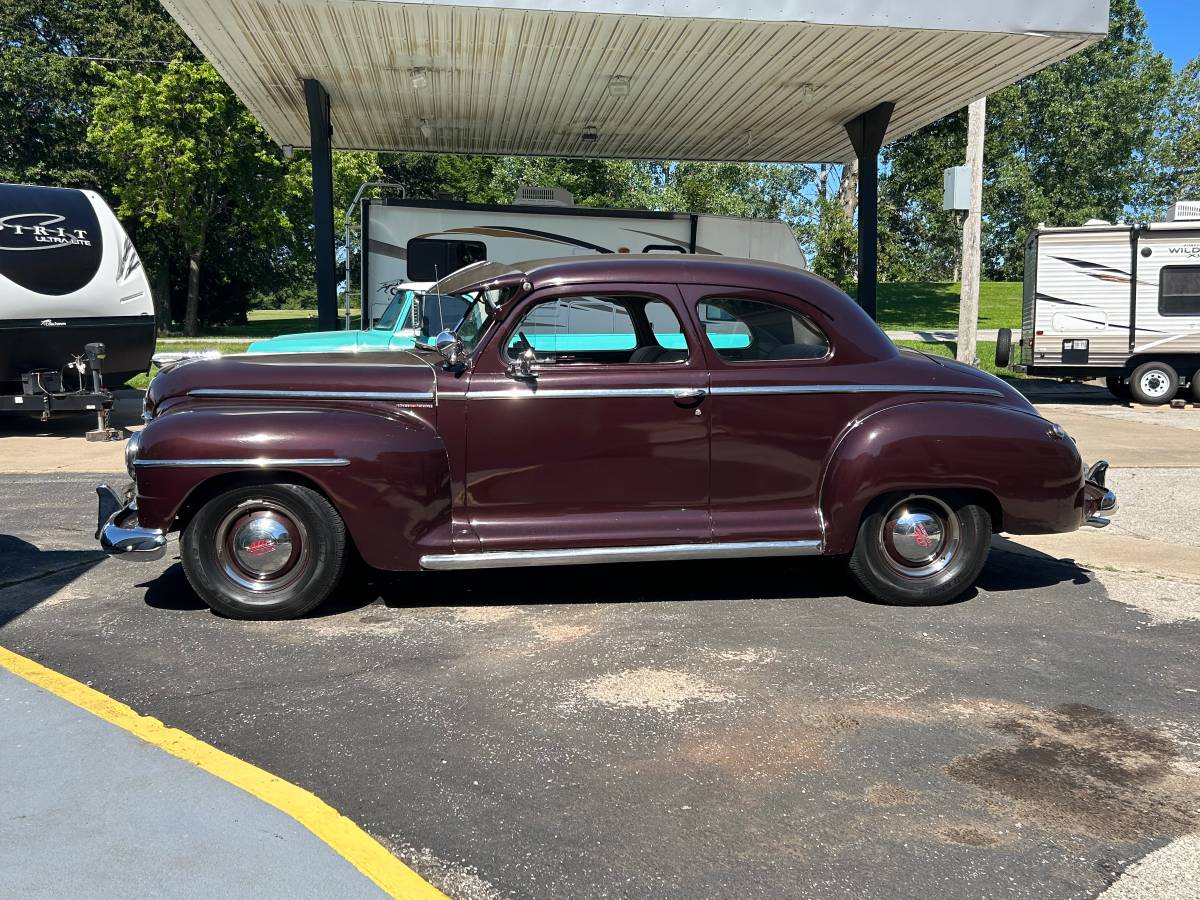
(691, 394)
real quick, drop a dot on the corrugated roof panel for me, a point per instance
(505, 79)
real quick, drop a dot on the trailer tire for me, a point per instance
(1003, 348)
(1153, 383)
(1196, 387)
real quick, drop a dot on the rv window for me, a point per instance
(1179, 291)
(430, 259)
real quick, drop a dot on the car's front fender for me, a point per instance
(1034, 476)
(384, 468)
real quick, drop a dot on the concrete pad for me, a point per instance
(1170, 871)
(28, 445)
(1096, 549)
(91, 811)
(1141, 438)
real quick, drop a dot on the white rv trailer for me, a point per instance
(70, 280)
(1120, 302)
(425, 240)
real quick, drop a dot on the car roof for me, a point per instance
(856, 327)
(649, 267)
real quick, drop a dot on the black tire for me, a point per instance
(1196, 387)
(1153, 383)
(1117, 386)
(878, 563)
(232, 546)
(1003, 348)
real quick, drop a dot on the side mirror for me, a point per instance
(449, 346)
(525, 368)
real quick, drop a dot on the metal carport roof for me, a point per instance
(765, 80)
(755, 80)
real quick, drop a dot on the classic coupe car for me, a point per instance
(739, 409)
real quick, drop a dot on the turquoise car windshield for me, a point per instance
(391, 315)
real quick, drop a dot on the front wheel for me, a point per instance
(920, 549)
(270, 551)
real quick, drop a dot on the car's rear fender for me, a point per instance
(1033, 477)
(382, 467)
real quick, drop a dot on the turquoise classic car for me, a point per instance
(569, 325)
(411, 316)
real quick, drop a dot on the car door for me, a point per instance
(605, 441)
(769, 439)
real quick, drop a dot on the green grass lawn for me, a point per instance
(985, 350)
(918, 306)
(262, 323)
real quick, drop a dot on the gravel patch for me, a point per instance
(658, 689)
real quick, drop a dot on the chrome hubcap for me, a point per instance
(262, 544)
(919, 537)
(1155, 383)
(261, 547)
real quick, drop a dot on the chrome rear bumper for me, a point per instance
(118, 531)
(1097, 497)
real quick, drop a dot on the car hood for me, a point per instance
(323, 342)
(286, 376)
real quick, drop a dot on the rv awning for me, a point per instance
(758, 80)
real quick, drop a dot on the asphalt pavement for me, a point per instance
(717, 729)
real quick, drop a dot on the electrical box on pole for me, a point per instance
(956, 188)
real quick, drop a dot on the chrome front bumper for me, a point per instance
(1097, 497)
(118, 531)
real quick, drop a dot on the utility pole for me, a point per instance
(968, 305)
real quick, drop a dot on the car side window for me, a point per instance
(600, 329)
(742, 330)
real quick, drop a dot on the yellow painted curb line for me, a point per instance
(348, 840)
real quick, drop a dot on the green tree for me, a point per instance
(1063, 145)
(188, 153)
(1177, 146)
(47, 81)
(836, 245)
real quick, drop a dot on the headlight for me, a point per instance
(131, 451)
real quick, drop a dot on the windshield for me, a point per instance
(473, 323)
(391, 315)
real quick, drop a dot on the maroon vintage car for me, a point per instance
(600, 409)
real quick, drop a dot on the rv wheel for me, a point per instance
(1003, 347)
(1196, 387)
(1153, 383)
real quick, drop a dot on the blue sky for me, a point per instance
(1174, 28)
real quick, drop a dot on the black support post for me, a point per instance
(320, 129)
(866, 134)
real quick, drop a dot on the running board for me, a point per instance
(504, 559)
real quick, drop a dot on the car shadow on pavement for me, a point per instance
(706, 580)
(29, 575)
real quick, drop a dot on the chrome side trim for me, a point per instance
(259, 462)
(854, 389)
(500, 559)
(749, 390)
(402, 396)
(578, 393)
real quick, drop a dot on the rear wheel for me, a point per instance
(272, 551)
(1196, 387)
(921, 549)
(1153, 383)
